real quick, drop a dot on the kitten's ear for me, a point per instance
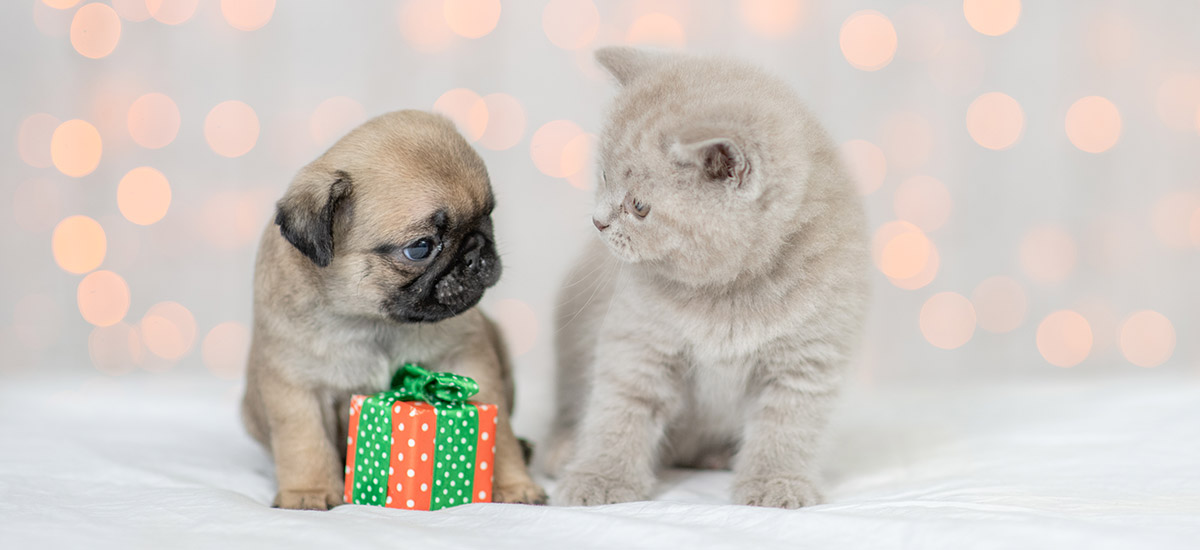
(718, 159)
(306, 212)
(627, 64)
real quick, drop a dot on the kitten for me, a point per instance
(713, 325)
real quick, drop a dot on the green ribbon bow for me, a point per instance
(414, 383)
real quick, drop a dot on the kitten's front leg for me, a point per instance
(776, 465)
(635, 392)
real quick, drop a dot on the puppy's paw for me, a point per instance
(307, 499)
(577, 489)
(780, 492)
(525, 492)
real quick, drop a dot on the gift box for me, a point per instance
(421, 445)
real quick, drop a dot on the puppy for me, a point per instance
(384, 247)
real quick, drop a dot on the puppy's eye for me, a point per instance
(420, 250)
(635, 206)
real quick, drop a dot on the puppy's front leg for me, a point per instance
(635, 392)
(306, 463)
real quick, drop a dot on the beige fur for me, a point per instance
(320, 331)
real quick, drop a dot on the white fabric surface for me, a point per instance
(1102, 462)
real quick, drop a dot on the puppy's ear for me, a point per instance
(627, 64)
(718, 159)
(305, 214)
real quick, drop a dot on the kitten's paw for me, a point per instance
(525, 492)
(777, 492)
(307, 499)
(592, 490)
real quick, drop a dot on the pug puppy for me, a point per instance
(384, 245)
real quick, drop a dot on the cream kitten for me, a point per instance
(715, 328)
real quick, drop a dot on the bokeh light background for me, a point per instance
(1030, 168)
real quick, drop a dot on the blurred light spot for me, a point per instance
(868, 40)
(1001, 304)
(78, 244)
(103, 298)
(1171, 218)
(505, 122)
(60, 4)
(904, 254)
(921, 31)
(867, 164)
(171, 12)
(1064, 338)
(992, 17)
(1093, 124)
(36, 320)
(115, 349)
(247, 15)
(1048, 254)
(36, 205)
(1147, 339)
(1194, 227)
(51, 22)
(548, 147)
(33, 139)
(153, 121)
(948, 320)
(466, 109)
(229, 220)
(922, 201)
(519, 324)
(471, 18)
(958, 68)
(168, 330)
(75, 148)
(1109, 38)
(995, 121)
(225, 349)
(656, 29)
(570, 24)
(926, 276)
(95, 30)
(334, 118)
(1103, 321)
(907, 138)
(231, 128)
(424, 26)
(132, 10)
(1177, 100)
(773, 18)
(144, 195)
(578, 161)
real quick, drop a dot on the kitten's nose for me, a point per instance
(600, 226)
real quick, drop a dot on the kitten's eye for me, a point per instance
(420, 250)
(635, 206)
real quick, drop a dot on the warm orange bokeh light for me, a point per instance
(36, 205)
(571, 24)
(466, 109)
(868, 40)
(519, 323)
(333, 118)
(471, 18)
(60, 4)
(224, 350)
(772, 18)
(78, 244)
(1194, 227)
(577, 161)
(1064, 338)
(1093, 124)
(995, 121)
(1177, 100)
(1000, 303)
(95, 30)
(1147, 338)
(247, 15)
(423, 25)
(103, 298)
(33, 139)
(548, 145)
(656, 29)
(144, 195)
(171, 12)
(505, 122)
(923, 201)
(948, 320)
(132, 10)
(1171, 218)
(905, 255)
(907, 138)
(231, 128)
(153, 120)
(867, 164)
(1048, 254)
(115, 349)
(75, 148)
(922, 32)
(168, 330)
(992, 17)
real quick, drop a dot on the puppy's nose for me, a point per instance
(599, 225)
(473, 249)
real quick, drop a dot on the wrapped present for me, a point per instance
(421, 445)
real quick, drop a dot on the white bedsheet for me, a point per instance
(1080, 462)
